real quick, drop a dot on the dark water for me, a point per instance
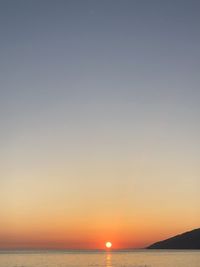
(141, 258)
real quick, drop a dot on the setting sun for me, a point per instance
(108, 244)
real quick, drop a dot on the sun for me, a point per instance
(108, 244)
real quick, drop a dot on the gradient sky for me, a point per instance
(99, 113)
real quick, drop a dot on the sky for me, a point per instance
(99, 115)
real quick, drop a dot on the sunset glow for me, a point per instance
(108, 244)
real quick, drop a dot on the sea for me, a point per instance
(134, 258)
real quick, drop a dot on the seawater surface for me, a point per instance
(137, 258)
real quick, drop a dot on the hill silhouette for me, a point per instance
(188, 240)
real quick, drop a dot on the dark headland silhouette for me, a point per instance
(188, 240)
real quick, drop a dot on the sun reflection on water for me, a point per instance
(108, 260)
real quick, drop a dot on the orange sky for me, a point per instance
(83, 212)
(82, 204)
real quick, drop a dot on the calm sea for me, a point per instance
(138, 258)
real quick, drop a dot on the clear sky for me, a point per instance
(99, 114)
